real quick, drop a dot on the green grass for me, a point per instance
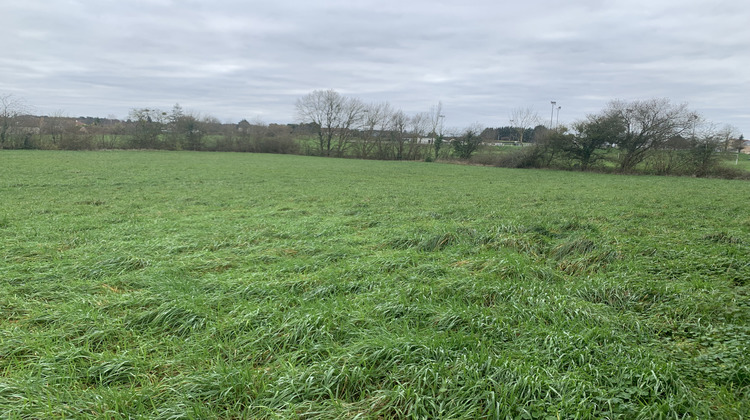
(732, 160)
(210, 285)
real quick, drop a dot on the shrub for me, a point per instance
(529, 157)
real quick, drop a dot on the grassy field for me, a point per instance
(208, 285)
(733, 160)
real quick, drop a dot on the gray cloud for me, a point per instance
(238, 59)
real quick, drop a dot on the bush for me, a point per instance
(487, 157)
(467, 144)
(280, 145)
(727, 173)
(76, 138)
(529, 157)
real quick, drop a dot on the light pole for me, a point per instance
(552, 114)
(557, 122)
(693, 118)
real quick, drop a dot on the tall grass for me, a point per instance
(189, 285)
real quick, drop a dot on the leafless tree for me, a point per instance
(374, 124)
(523, 118)
(419, 124)
(727, 135)
(116, 130)
(397, 127)
(335, 116)
(55, 126)
(11, 107)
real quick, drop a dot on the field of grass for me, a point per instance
(210, 285)
(733, 160)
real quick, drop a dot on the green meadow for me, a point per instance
(189, 285)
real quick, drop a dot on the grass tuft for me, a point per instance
(116, 266)
(168, 319)
(112, 372)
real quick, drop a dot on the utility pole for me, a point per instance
(552, 114)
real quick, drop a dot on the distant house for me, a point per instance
(244, 126)
(746, 147)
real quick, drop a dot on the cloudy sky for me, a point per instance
(235, 59)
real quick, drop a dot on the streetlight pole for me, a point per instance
(552, 114)
(693, 118)
(557, 122)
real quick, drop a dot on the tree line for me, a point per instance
(145, 128)
(347, 126)
(648, 136)
(651, 136)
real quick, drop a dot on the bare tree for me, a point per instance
(727, 134)
(11, 108)
(55, 126)
(398, 133)
(77, 136)
(334, 116)
(522, 119)
(705, 140)
(375, 120)
(352, 114)
(418, 125)
(116, 130)
(384, 136)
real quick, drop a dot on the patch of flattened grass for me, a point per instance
(116, 371)
(115, 266)
(168, 319)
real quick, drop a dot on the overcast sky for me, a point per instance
(235, 59)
